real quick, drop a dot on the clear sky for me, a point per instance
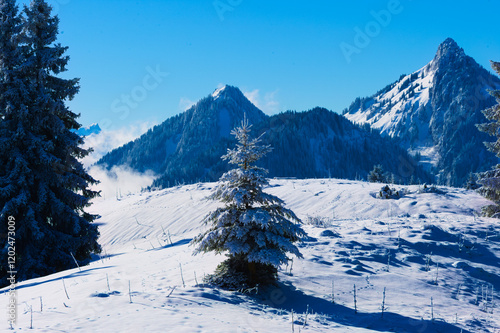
(145, 61)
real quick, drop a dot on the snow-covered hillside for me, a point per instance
(390, 108)
(423, 249)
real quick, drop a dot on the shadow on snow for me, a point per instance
(286, 297)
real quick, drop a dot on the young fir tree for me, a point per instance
(42, 183)
(377, 175)
(253, 228)
(490, 180)
(471, 183)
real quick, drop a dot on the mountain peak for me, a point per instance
(449, 43)
(448, 52)
(225, 91)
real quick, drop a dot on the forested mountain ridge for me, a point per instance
(187, 148)
(434, 112)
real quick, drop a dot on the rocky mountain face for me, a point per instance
(187, 148)
(433, 113)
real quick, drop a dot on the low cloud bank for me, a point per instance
(106, 140)
(120, 181)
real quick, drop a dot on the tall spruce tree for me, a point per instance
(490, 180)
(11, 87)
(43, 186)
(253, 228)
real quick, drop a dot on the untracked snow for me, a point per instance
(420, 247)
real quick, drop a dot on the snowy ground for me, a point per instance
(423, 246)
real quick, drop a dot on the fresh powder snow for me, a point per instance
(436, 260)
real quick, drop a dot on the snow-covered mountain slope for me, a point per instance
(434, 110)
(422, 248)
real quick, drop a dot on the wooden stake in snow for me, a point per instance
(169, 239)
(129, 293)
(432, 309)
(64, 285)
(107, 280)
(305, 318)
(182, 277)
(171, 291)
(383, 304)
(76, 262)
(355, 301)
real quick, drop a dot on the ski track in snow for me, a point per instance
(420, 246)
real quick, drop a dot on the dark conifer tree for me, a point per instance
(42, 183)
(377, 175)
(472, 182)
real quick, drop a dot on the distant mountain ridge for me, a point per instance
(187, 148)
(433, 112)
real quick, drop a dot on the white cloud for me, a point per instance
(107, 140)
(268, 103)
(253, 96)
(119, 181)
(185, 103)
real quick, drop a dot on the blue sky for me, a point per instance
(145, 61)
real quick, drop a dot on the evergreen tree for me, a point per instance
(377, 175)
(490, 180)
(10, 57)
(253, 228)
(472, 182)
(42, 183)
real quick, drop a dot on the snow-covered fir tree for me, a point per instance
(490, 180)
(377, 175)
(253, 228)
(43, 186)
(472, 182)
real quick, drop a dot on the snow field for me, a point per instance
(422, 246)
